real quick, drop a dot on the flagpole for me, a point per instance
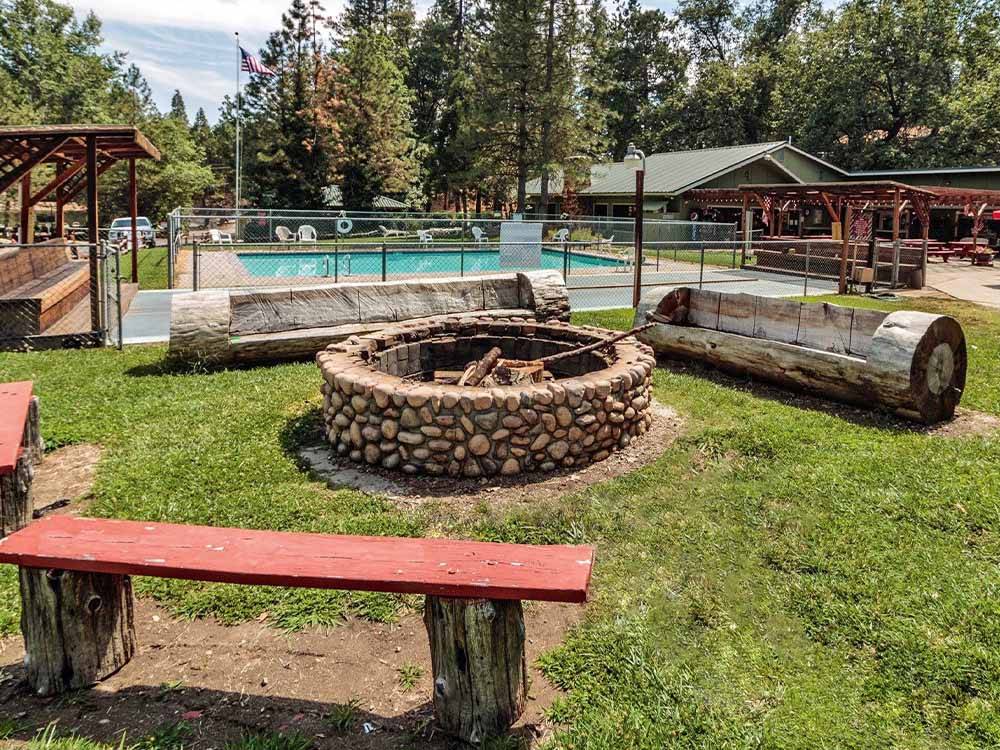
(239, 64)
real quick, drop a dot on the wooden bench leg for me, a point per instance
(78, 627)
(480, 673)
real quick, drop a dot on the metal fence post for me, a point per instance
(195, 270)
(701, 266)
(384, 261)
(336, 263)
(895, 263)
(118, 297)
(461, 260)
(805, 286)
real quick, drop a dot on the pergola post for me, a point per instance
(747, 226)
(26, 230)
(93, 235)
(845, 249)
(133, 207)
(60, 230)
(895, 236)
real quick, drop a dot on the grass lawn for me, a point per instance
(782, 577)
(152, 267)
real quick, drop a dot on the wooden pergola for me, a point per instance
(80, 155)
(841, 199)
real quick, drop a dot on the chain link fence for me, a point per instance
(60, 294)
(218, 248)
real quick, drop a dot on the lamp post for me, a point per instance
(637, 158)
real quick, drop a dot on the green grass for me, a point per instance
(152, 268)
(782, 577)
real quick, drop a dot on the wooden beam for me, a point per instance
(26, 228)
(73, 191)
(133, 207)
(30, 161)
(63, 175)
(834, 216)
(842, 286)
(93, 236)
(60, 204)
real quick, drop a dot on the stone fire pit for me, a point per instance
(381, 406)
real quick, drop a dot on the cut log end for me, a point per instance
(479, 668)
(938, 370)
(78, 627)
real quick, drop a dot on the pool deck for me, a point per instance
(148, 318)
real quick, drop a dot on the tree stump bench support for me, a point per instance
(20, 450)
(78, 625)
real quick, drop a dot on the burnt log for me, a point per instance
(479, 668)
(78, 627)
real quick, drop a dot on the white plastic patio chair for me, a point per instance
(214, 235)
(478, 235)
(307, 233)
(425, 237)
(561, 236)
(284, 234)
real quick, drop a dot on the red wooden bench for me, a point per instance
(20, 449)
(78, 627)
(943, 254)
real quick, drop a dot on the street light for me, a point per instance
(636, 159)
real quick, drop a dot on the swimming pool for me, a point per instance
(404, 262)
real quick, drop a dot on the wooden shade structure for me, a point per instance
(840, 199)
(80, 154)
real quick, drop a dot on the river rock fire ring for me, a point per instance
(383, 407)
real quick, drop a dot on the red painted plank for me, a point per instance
(14, 401)
(441, 567)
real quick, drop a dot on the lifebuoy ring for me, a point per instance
(344, 226)
(695, 215)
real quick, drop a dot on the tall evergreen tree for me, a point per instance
(509, 91)
(364, 113)
(285, 163)
(443, 90)
(178, 110)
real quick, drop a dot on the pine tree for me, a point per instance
(284, 161)
(177, 108)
(396, 19)
(509, 89)
(443, 89)
(364, 113)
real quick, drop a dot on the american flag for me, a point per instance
(251, 65)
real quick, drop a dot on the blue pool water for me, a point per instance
(402, 262)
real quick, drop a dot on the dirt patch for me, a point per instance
(525, 488)
(229, 681)
(65, 474)
(967, 423)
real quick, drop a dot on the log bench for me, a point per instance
(253, 325)
(39, 285)
(77, 615)
(910, 363)
(20, 449)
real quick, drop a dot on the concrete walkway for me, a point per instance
(962, 280)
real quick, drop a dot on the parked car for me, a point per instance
(121, 229)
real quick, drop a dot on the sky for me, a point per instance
(189, 44)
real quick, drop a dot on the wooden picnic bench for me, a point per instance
(77, 597)
(20, 450)
(39, 285)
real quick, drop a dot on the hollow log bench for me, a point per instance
(77, 617)
(20, 450)
(39, 285)
(910, 363)
(221, 326)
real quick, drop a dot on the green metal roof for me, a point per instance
(673, 172)
(334, 198)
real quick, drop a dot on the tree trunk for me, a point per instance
(480, 673)
(547, 107)
(78, 627)
(16, 504)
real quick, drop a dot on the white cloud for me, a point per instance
(259, 16)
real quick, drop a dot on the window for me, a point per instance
(623, 210)
(600, 209)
